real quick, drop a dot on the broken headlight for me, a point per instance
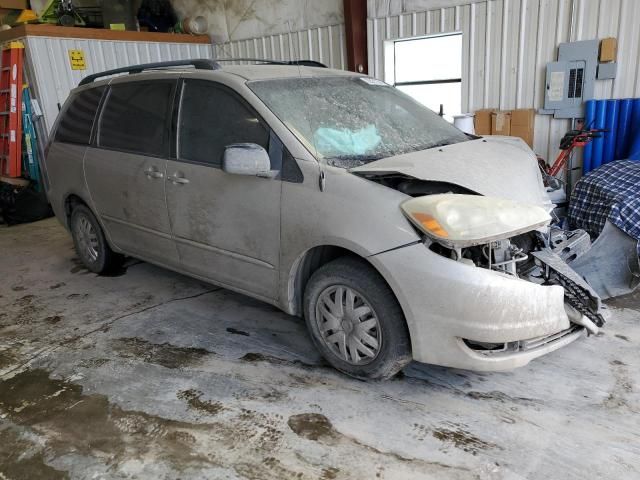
(458, 221)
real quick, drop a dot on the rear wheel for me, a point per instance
(90, 242)
(355, 320)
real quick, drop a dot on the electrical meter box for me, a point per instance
(570, 80)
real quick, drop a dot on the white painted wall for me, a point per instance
(507, 44)
(233, 20)
(273, 29)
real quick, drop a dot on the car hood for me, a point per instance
(503, 167)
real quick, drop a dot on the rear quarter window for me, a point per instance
(77, 120)
(136, 117)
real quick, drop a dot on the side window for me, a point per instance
(77, 120)
(212, 118)
(136, 117)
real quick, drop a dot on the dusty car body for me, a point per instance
(306, 220)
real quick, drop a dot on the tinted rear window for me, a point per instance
(136, 117)
(77, 121)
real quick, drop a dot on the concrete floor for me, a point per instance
(153, 375)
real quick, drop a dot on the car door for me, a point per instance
(125, 168)
(226, 226)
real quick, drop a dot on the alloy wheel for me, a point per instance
(87, 239)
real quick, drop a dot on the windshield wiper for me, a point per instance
(353, 160)
(444, 143)
(441, 143)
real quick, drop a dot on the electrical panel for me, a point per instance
(570, 80)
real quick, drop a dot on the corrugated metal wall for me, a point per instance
(507, 44)
(48, 57)
(323, 44)
(48, 63)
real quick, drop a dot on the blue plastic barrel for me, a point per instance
(611, 125)
(598, 143)
(589, 122)
(624, 128)
(634, 140)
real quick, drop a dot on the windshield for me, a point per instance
(351, 121)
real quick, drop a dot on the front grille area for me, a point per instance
(580, 299)
(496, 349)
(578, 293)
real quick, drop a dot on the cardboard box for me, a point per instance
(14, 4)
(501, 123)
(608, 49)
(482, 121)
(523, 124)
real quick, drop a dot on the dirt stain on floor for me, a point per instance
(622, 387)
(502, 397)
(65, 421)
(461, 438)
(7, 358)
(317, 427)
(167, 355)
(262, 357)
(27, 311)
(194, 400)
(270, 469)
(88, 424)
(20, 458)
(53, 319)
(93, 362)
(330, 473)
(312, 426)
(235, 331)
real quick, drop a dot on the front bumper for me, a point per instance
(446, 302)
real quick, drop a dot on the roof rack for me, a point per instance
(198, 64)
(265, 61)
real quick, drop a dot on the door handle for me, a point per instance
(176, 180)
(153, 173)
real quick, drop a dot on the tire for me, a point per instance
(91, 244)
(386, 347)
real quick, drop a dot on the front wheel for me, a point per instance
(355, 320)
(91, 244)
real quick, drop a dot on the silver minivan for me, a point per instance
(331, 195)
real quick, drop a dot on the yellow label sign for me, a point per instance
(77, 60)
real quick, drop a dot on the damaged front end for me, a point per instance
(533, 257)
(511, 239)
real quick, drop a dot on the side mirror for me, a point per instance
(246, 159)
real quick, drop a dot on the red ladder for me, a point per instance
(11, 110)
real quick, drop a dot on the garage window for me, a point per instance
(77, 121)
(212, 118)
(430, 70)
(136, 117)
